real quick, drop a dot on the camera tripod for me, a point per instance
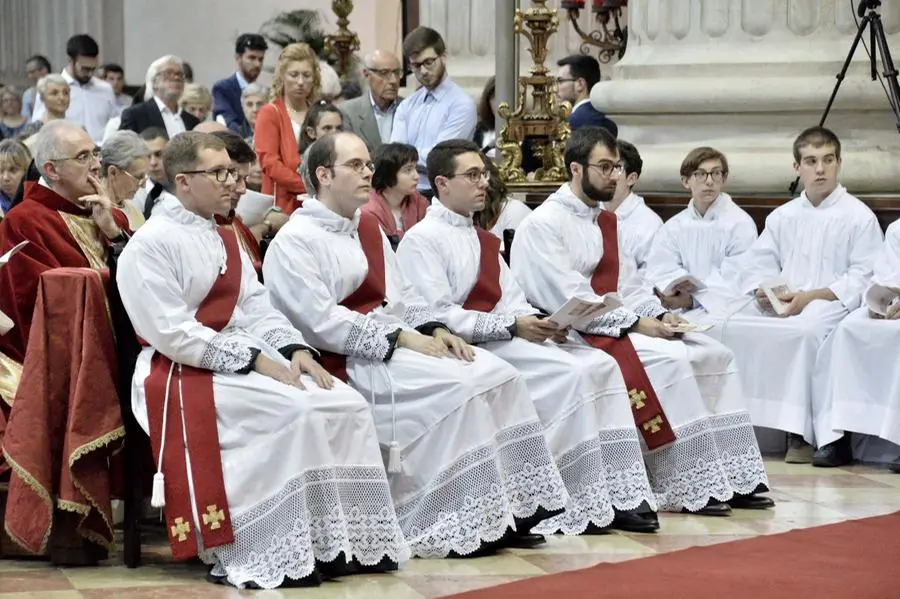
(871, 20)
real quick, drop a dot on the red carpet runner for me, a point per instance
(859, 559)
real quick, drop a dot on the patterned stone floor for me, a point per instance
(806, 497)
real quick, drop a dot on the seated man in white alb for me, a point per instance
(701, 450)
(863, 390)
(578, 391)
(821, 246)
(467, 455)
(266, 465)
(638, 224)
(696, 241)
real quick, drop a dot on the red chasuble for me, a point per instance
(190, 397)
(371, 291)
(486, 292)
(648, 413)
(246, 240)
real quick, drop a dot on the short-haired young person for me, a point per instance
(249, 53)
(394, 199)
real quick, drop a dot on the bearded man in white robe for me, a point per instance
(467, 457)
(821, 247)
(863, 390)
(266, 466)
(578, 391)
(701, 452)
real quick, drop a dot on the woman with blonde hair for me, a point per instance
(296, 86)
(196, 100)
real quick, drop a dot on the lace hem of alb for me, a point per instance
(612, 323)
(530, 475)
(367, 339)
(492, 327)
(315, 516)
(739, 452)
(226, 354)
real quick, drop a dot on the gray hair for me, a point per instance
(49, 144)
(48, 79)
(304, 172)
(154, 69)
(121, 149)
(255, 89)
(9, 89)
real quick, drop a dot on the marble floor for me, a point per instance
(806, 497)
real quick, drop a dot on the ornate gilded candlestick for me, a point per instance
(544, 124)
(343, 43)
(610, 39)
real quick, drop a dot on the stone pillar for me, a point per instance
(746, 76)
(506, 51)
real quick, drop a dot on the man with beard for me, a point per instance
(92, 101)
(249, 52)
(371, 116)
(700, 449)
(164, 86)
(439, 109)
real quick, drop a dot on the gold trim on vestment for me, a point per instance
(87, 236)
(42, 493)
(80, 452)
(10, 375)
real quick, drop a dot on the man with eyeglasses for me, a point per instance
(455, 421)
(577, 75)
(821, 247)
(577, 390)
(692, 245)
(371, 116)
(164, 86)
(701, 452)
(92, 101)
(439, 109)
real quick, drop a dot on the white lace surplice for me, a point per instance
(473, 450)
(638, 225)
(302, 469)
(578, 391)
(715, 453)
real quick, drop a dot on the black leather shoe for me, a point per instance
(593, 529)
(526, 524)
(713, 508)
(834, 455)
(750, 502)
(895, 466)
(631, 521)
(385, 565)
(524, 540)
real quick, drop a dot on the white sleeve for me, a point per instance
(664, 262)
(887, 264)
(867, 243)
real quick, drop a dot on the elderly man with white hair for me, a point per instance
(164, 86)
(371, 116)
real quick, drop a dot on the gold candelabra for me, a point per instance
(342, 43)
(544, 124)
(611, 38)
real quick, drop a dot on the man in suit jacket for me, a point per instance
(249, 51)
(165, 84)
(371, 116)
(577, 74)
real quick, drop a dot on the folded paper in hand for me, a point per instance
(880, 299)
(689, 327)
(578, 313)
(775, 288)
(686, 284)
(5, 257)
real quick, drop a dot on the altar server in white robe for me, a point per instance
(578, 391)
(863, 391)
(292, 455)
(466, 451)
(823, 244)
(710, 455)
(638, 224)
(500, 212)
(698, 239)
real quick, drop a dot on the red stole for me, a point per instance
(486, 292)
(191, 398)
(370, 294)
(648, 413)
(246, 240)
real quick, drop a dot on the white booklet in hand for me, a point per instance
(775, 288)
(5, 257)
(578, 313)
(686, 284)
(880, 299)
(689, 327)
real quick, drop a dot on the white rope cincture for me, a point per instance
(158, 498)
(395, 457)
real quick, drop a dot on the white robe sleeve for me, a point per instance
(404, 299)
(664, 261)
(154, 300)
(887, 264)
(761, 261)
(850, 287)
(633, 287)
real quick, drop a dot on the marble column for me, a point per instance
(505, 60)
(746, 76)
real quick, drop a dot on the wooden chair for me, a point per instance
(508, 235)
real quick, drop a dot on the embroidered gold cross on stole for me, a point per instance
(653, 424)
(637, 398)
(181, 529)
(213, 517)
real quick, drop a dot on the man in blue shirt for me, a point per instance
(437, 111)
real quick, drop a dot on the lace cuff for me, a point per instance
(228, 355)
(651, 308)
(416, 315)
(367, 339)
(492, 327)
(280, 338)
(613, 324)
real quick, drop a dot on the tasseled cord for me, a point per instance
(394, 456)
(158, 498)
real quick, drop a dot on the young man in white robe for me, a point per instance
(698, 239)
(822, 245)
(701, 452)
(467, 457)
(638, 224)
(863, 390)
(266, 466)
(578, 391)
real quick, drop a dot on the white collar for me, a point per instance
(378, 109)
(628, 205)
(163, 109)
(323, 216)
(242, 83)
(172, 208)
(829, 201)
(722, 202)
(565, 197)
(438, 211)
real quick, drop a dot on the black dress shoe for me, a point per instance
(541, 514)
(593, 529)
(750, 502)
(337, 567)
(524, 540)
(385, 565)
(713, 508)
(834, 454)
(632, 521)
(895, 466)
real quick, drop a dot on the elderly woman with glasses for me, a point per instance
(54, 92)
(124, 167)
